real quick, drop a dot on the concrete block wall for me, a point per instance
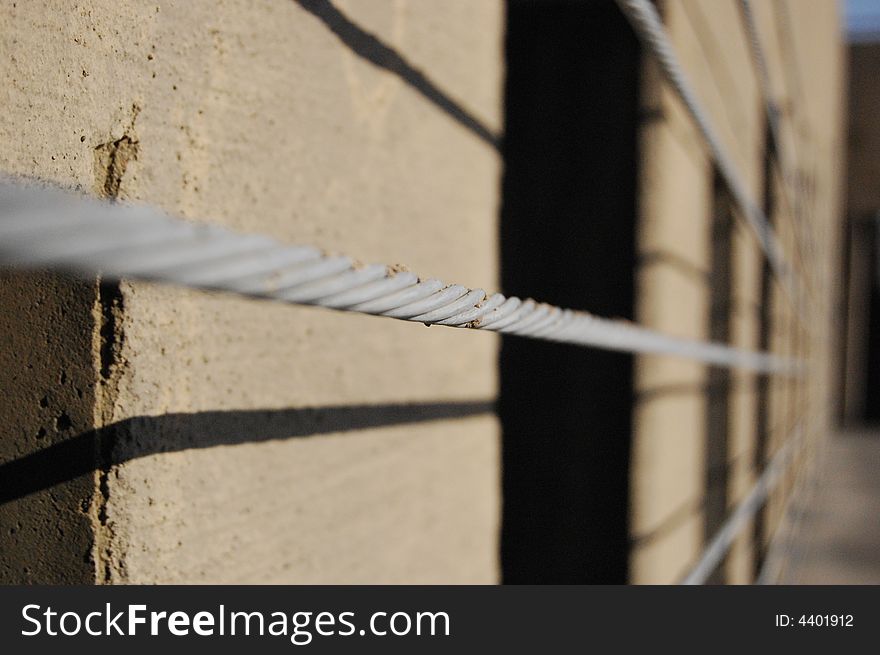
(176, 436)
(237, 441)
(701, 436)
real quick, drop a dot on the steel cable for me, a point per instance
(745, 511)
(42, 226)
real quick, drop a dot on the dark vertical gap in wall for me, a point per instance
(872, 382)
(845, 346)
(718, 396)
(765, 331)
(860, 347)
(568, 237)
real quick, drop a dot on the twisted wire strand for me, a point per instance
(649, 28)
(45, 227)
(746, 509)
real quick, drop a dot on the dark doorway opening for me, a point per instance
(568, 237)
(872, 384)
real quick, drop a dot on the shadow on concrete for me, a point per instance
(718, 388)
(142, 436)
(766, 327)
(369, 47)
(715, 477)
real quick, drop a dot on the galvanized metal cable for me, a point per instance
(648, 26)
(45, 227)
(745, 511)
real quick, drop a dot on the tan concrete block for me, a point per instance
(668, 458)
(258, 117)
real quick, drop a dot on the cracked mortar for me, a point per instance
(111, 160)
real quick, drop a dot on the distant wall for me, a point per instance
(702, 436)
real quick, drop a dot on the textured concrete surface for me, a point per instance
(237, 441)
(354, 159)
(48, 382)
(360, 127)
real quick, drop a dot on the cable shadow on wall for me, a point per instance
(719, 388)
(765, 332)
(142, 436)
(369, 47)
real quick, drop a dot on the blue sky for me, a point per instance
(863, 19)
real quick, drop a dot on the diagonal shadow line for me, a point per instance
(369, 47)
(716, 476)
(142, 436)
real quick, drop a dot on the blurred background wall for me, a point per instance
(701, 436)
